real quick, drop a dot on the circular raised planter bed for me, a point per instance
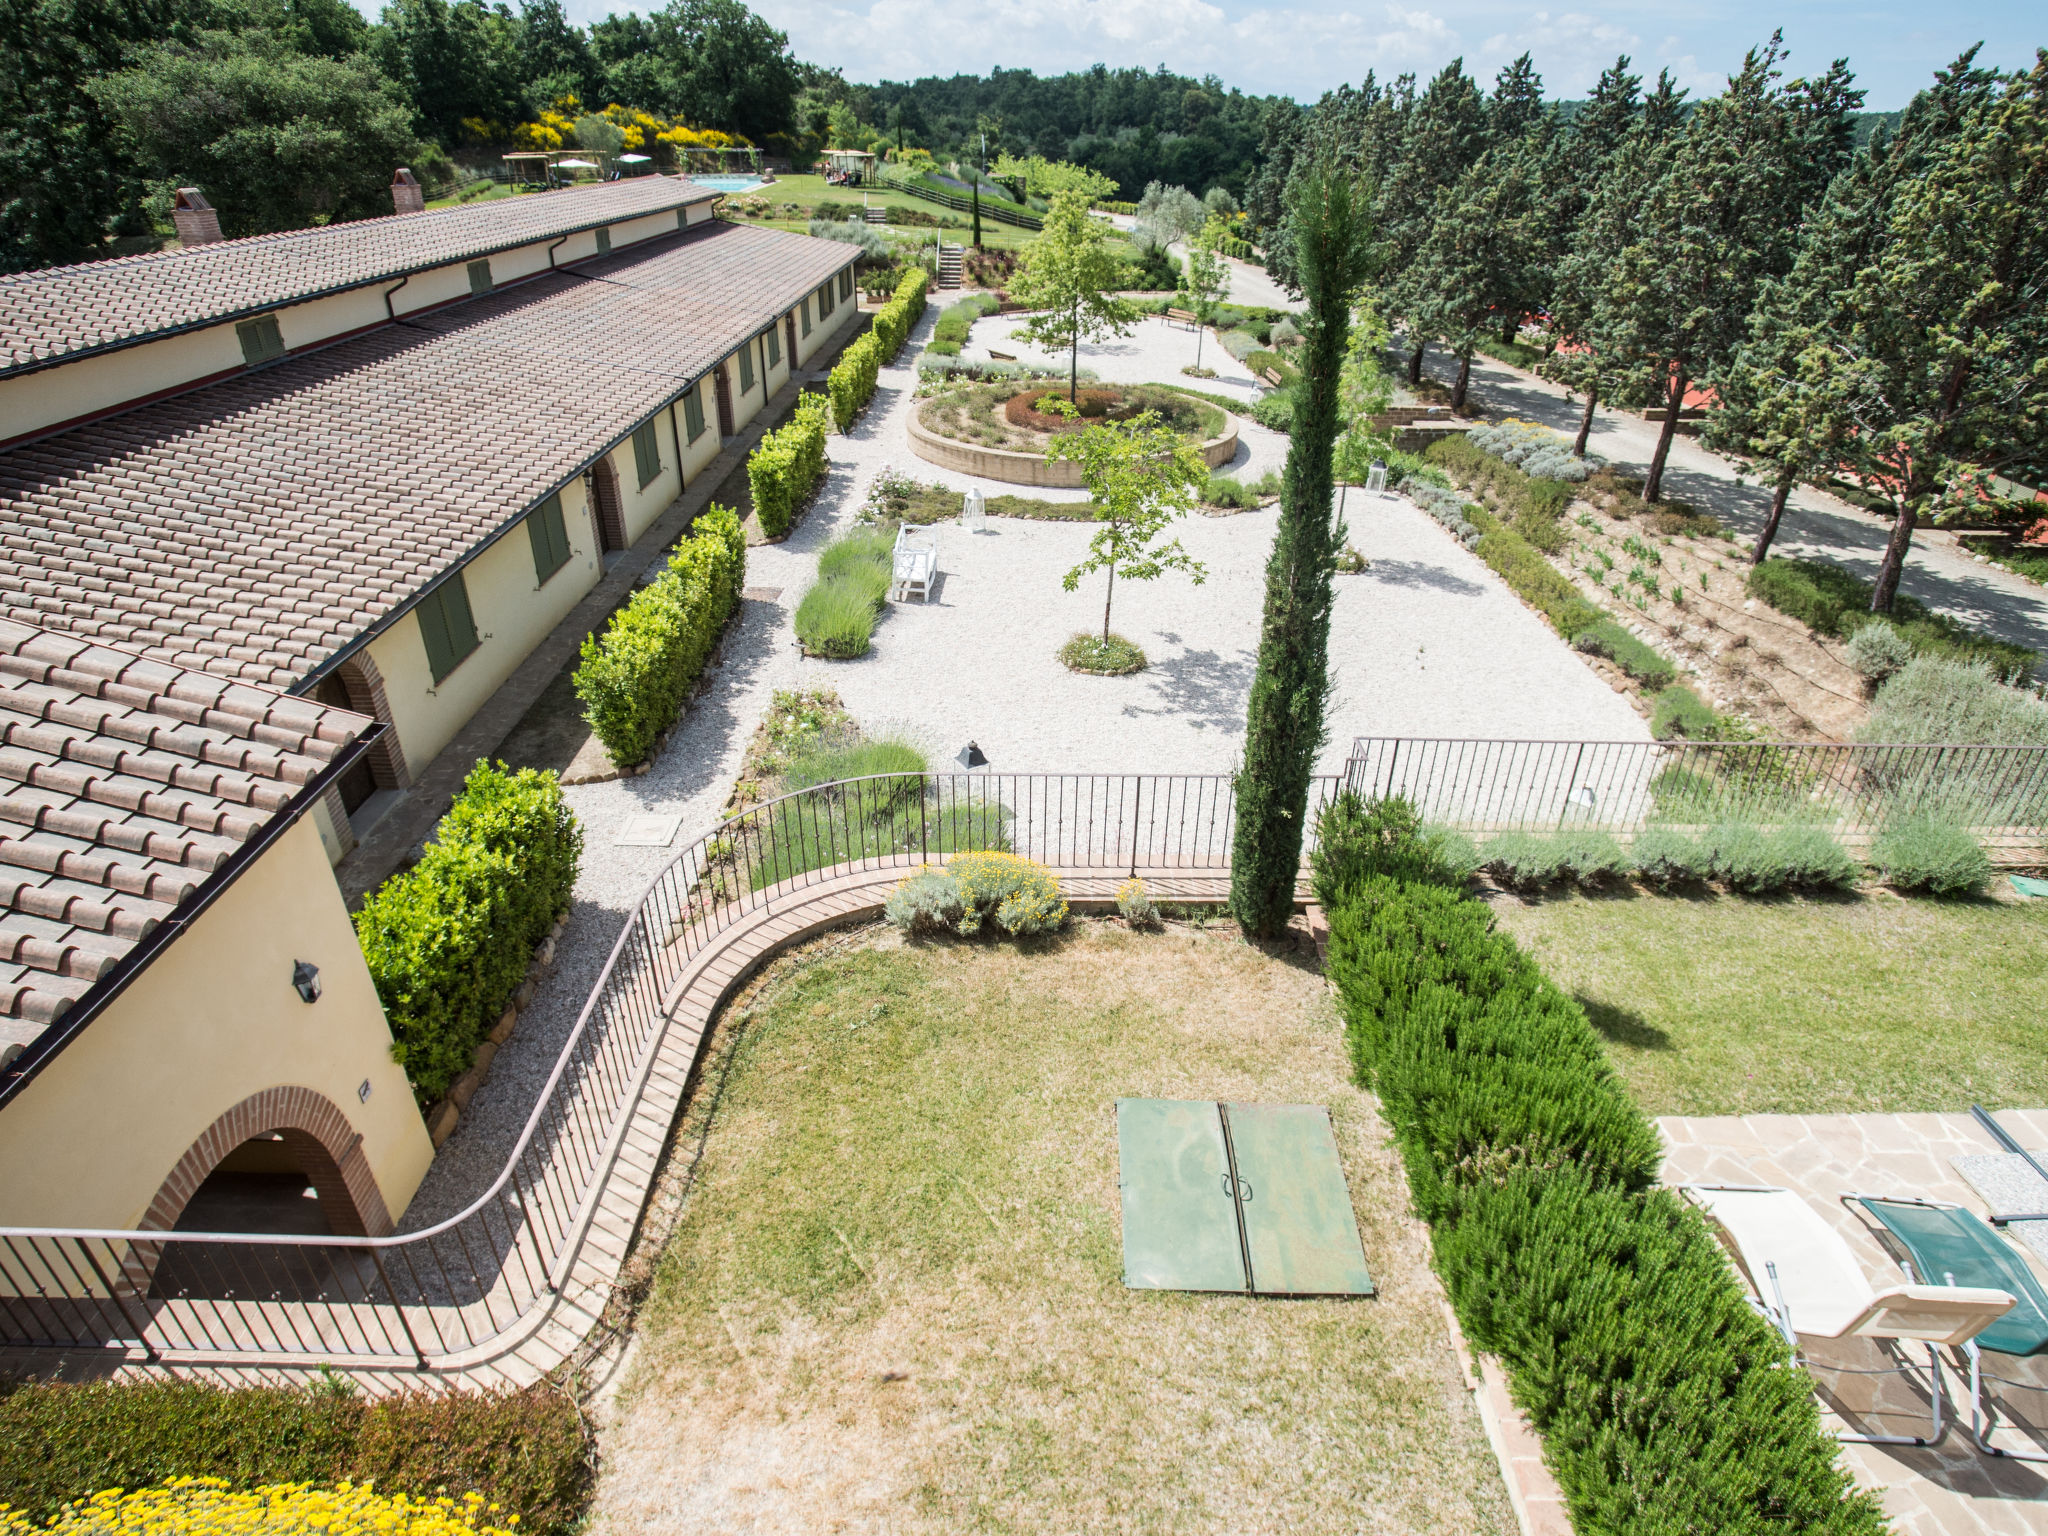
(1017, 467)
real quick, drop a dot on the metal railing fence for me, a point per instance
(434, 1295)
(2000, 794)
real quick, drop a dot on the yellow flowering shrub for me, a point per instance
(555, 128)
(1020, 894)
(207, 1506)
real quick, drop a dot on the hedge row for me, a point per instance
(788, 466)
(1832, 601)
(852, 380)
(527, 1451)
(449, 940)
(634, 679)
(1638, 660)
(1665, 1402)
(1522, 566)
(1534, 505)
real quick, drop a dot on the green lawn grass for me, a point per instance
(894, 1297)
(1723, 1006)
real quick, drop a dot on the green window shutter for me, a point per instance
(845, 284)
(693, 414)
(646, 453)
(447, 626)
(550, 538)
(774, 335)
(604, 242)
(746, 367)
(682, 218)
(261, 340)
(480, 277)
(804, 309)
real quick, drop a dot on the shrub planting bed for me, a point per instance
(449, 940)
(1664, 1400)
(981, 413)
(1835, 602)
(634, 678)
(836, 617)
(1111, 656)
(788, 465)
(526, 1451)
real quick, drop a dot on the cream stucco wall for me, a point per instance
(644, 504)
(700, 453)
(823, 329)
(214, 1020)
(513, 614)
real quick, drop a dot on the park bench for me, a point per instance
(1182, 317)
(1270, 377)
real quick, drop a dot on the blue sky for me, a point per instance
(1303, 47)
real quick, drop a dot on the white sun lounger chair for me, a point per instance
(915, 563)
(1810, 1285)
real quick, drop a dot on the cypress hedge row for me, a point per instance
(634, 679)
(449, 940)
(852, 380)
(788, 465)
(1666, 1404)
(526, 1451)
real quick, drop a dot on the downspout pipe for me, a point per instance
(388, 310)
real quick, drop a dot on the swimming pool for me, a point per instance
(729, 183)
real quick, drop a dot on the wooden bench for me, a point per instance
(1270, 377)
(1182, 317)
(1001, 357)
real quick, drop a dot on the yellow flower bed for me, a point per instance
(207, 1506)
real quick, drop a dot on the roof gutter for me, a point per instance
(72, 1023)
(361, 641)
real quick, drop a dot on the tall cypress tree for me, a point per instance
(1446, 132)
(1331, 237)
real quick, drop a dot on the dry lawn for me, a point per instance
(894, 1299)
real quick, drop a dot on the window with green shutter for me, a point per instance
(480, 277)
(261, 340)
(774, 345)
(747, 367)
(824, 299)
(550, 538)
(803, 309)
(447, 626)
(604, 242)
(693, 414)
(646, 453)
(845, 284)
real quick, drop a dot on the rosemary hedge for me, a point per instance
(634, 679)
(852, 380)
(527, 1451)
(449, 940)
(1666, 1404)
(788, 465)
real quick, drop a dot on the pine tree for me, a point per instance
(1284, 727)
(1446, 132)
(1928, 366)
(1484, 256)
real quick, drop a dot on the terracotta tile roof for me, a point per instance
(61, 312)
(255, 526)
(124, 784)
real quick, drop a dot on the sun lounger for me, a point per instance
(1957, 1246)
(1809, 1285)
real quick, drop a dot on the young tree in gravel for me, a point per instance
(1141, 475)
(1069, 276)
(1331, 233)
(1205, 277)
(1722, 218)
(1930, 364)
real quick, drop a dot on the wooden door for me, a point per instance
(721, 387)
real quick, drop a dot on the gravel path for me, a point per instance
(1427, 643)
(1939, 572)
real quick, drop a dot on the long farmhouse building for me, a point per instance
(277, 515)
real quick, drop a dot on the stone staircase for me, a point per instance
(950, 257)
(875, 215)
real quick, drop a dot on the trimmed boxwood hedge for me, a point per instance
(851, 383)
(788, 465)
(634, 679)
(1665, 1402)
(527, 1451)
(449, 940)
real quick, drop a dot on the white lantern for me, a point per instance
(1376, 478)
(974, 511)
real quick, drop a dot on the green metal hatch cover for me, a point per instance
(1235, 1197)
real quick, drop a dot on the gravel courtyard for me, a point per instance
(1426, 643)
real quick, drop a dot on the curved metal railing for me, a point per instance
(458, 1288)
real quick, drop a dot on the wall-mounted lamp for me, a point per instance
(306, 977)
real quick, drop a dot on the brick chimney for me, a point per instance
(406, 196)
(197, 222)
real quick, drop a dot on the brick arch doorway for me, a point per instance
(356, 684)
(281, 1129)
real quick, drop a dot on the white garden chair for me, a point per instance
(915, 564)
